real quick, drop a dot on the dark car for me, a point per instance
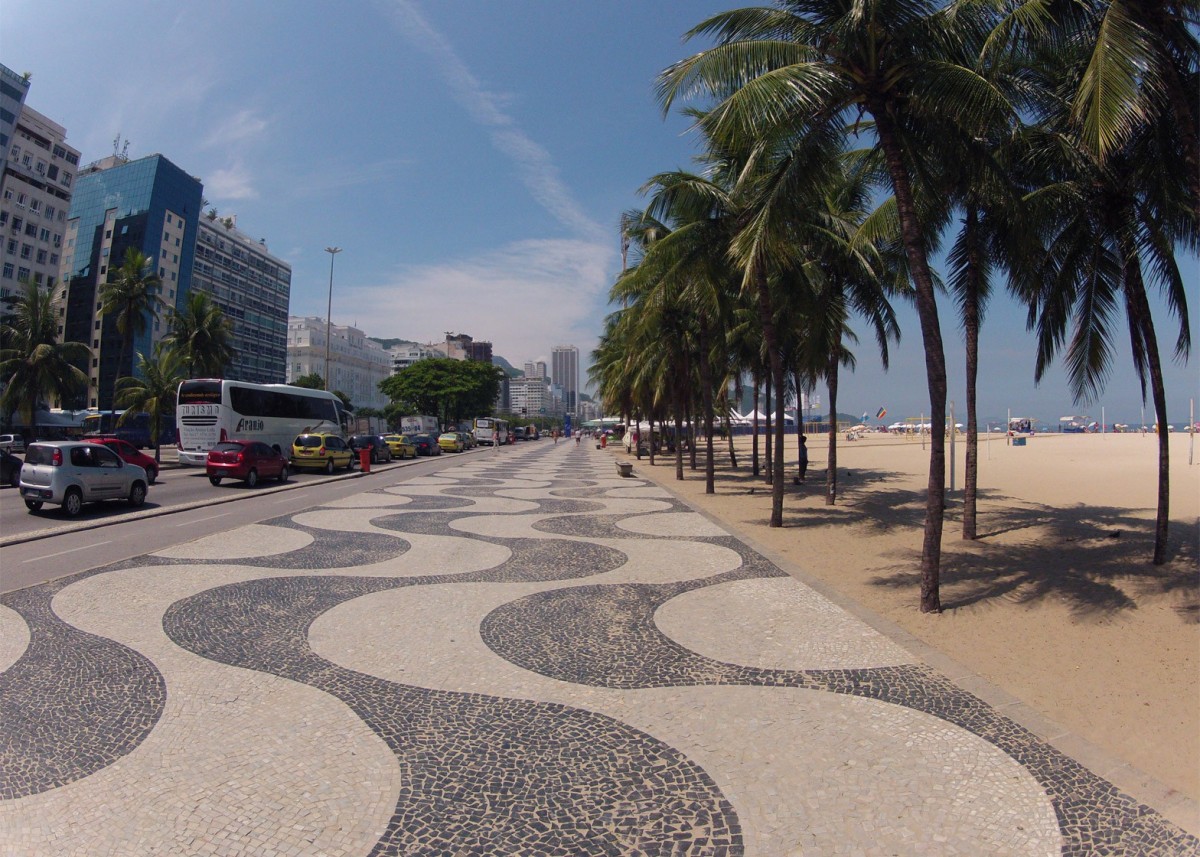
(380, 451)
(248, 460)
(128, 452)
(10, 469)
(426, 444)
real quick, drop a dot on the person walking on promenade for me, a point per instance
(496, 439)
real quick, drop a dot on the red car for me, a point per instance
(127, 452)
(248, 460)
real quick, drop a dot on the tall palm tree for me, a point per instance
(819, 66)
(34, 365)
(202, 335)
(152, 390)
(131, 296)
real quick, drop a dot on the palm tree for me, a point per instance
(131, 295)
(818, 67)
(152, 390)
(34, 365)
(202, 335)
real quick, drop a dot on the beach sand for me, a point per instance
(1056, 603)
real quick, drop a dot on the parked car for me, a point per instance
(449, 441)
(468, 439)
(400, 446)
(10, 469)
(380, 451)
(322, 452)
(131, 454)
(425, 444)
(247, 460)
(518, 433)
(12, 442)
(71, 473)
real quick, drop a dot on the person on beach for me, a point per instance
(803, 456)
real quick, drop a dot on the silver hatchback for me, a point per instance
(71, 473)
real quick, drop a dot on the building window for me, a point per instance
(43, 235)
(18, 223)
(16, 152)
(66, 179)
(95, 362)
(8, 194)
(35, 205)
(97, 327)
(31, 229)
(108, 233)
(12, 246)
(50, 210)
(57, 240)
(168, 217)
(3, 217)
(95, 343)
(22, 273)
(8, 270)
(41, 257)
(26, 251)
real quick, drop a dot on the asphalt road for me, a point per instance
(180, 506)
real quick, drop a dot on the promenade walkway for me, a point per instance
(521, 655)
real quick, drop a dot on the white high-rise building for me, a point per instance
(528, 397)
(356, 364)
(35, 193)
(564, 370)
(535, 369)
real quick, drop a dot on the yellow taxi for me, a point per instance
(321, 452)
(449, 441)
(400, 446)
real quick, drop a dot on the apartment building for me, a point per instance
(564, 371)
(252, 288)
(356, 364)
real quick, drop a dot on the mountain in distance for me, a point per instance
(497, 360)
(392, 343)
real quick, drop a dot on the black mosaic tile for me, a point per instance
(73, 703)
(480, 775)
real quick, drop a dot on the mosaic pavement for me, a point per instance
(520, 655)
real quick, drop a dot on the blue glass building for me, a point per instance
(148, 204)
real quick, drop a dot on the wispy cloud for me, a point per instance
(522, 297)
(242, 127)
(233, 182)
(334, 176)
(534, 163)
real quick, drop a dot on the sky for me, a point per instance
(471, 158)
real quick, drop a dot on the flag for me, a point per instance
(864, 419)
(882, 413)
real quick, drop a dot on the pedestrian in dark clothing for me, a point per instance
(803, 456)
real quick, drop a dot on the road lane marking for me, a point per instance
(71, 550)
(201, 520)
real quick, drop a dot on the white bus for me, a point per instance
(485, 427)
(209, 411)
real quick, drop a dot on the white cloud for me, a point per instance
(230, 183)
(523, 298)
(242, 127)
(534, 164)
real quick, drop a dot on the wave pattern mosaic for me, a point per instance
(520, 655)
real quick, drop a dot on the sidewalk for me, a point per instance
(525, 654)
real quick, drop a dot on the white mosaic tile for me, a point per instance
(252, 540)
(14, 637)
(677, 524)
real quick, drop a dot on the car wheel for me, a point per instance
(215, 480)
(137, 494)
(329, 466)
(252, 478)
(283, 474)
(374, 457)
(33, 505)
(350, 463)
(72, 503)
(152, 475)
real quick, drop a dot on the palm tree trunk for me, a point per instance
(769, 456)
(706, 393)
(935, 357)
(971, 332)
(775, 358)
(754, 465)
(729, 437)
(679, 431)
(780, 440)
(1138, 308)
(831, 379)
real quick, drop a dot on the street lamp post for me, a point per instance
(332, 251)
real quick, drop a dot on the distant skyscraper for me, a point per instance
(564, 370)
(149, 205)
(252, 288)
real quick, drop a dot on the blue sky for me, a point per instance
(472, 159)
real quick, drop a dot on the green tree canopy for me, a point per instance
(311, 381)
(152, 390)
(449, 389)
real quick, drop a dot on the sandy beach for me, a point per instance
(1057, 603)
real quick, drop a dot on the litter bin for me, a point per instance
(364, 459)
(1018, 441)
(604, 441)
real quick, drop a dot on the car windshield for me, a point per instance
(310, 441)
(227, 447)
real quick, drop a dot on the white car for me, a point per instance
(12, 442)
(71, 473)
